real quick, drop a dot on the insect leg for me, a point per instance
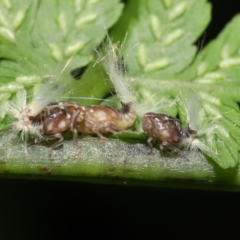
(96, 131)
(149, 142)
(172, 148)
(75, 138)
(107, 126)
(165, 144)
(113, 128)
(49, 138)
(73, 120)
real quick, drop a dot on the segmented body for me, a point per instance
(103, 119)
(165, 129)
(60, 117)
(54, 119)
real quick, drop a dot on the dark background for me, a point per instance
(34, 209)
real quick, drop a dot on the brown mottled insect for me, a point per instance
(103, 119)
(48, 122)
(167, 130)
(54, 119)
(64, 116)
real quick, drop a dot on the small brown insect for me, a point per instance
(104, 119)
(48, 122)
(57, 118)
(167, 130)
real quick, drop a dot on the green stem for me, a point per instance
(114, 162)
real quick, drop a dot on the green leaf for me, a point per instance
(165, 33)
(216, 70)
(38, 38)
